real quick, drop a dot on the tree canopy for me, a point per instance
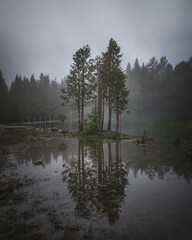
(101, 80)
(97, 91)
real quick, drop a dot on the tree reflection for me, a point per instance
(41, 152)
(157, 160)
(97, 185)
(112, 188)
(98, 161)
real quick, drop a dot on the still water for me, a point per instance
(168, 130)
(78, 189)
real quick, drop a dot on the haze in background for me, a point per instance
(42, 36)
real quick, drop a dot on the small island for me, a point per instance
(102, 135)
(21, 134)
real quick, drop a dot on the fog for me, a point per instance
(42, 36)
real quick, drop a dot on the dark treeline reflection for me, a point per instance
(98, 176)
(97, 184)
(98, 173)
(41, 152)
(106, 163)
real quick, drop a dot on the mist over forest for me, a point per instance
(95, 119)
(158, 91)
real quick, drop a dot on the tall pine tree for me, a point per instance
(4, 100)
(78, 82)
(113, 60)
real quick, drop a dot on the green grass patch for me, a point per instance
(102, 135)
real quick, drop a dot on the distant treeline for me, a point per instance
(159, 91)
(30, 99)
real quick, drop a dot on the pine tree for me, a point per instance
(44, 90)
(128, 69)
(114, 76)
(119, 96)
(15, 98)
(110, 82)
(100, 90)
(4, 101)
(112, 62)
(25, 106)
(34, 97)
(78, 82)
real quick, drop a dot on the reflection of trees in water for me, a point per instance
(149, 169)
(152, 160)
(157, 160)
(39, 152)
(152, 169)
(97, 186)
(113, 180)
(184, 171)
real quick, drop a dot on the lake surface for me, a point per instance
(78, 189)
(168, 130)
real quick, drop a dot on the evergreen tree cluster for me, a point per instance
(160, 91)
(100, 81)
(96, 88)
(30, 99)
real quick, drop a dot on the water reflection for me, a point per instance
(124, 188)
(155, 159)
(97, 186)
(40, 152)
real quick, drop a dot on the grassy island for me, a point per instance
(101, 135)
(17, 135)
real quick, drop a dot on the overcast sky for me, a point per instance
(42, 35)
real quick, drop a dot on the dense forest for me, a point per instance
(159, 91)
(98, 91)
(30, 99)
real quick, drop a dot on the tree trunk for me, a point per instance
(117, 156)
(110, 157)
(83, 163)
(110, 114)
(100, 161)
(120, 123)
(103, 109)
(79, 116)
(110, 110)
(117, 122)
(79, 157)
(82, 103)
(100, 112)
(82, 114)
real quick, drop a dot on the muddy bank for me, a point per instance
(16, 135)
(27, 196)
